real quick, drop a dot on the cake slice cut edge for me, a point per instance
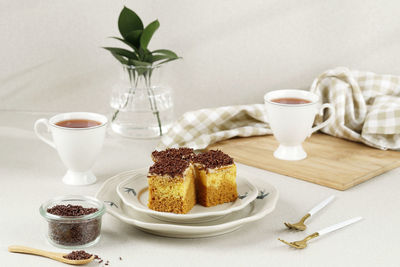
(215, 174)
(171, 186)
(216, 186)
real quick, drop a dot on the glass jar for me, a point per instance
(73, 231)
(141, 106)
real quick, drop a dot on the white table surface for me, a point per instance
(31, 173)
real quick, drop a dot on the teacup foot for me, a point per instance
(290, 153)
(79, 178)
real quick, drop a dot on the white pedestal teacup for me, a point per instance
(78, 147)
(291, 124)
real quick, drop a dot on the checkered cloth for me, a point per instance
(367, 106)
(367, 110)
(197, 129)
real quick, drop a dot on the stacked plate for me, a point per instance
(126, 196)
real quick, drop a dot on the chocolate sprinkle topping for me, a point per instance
(70, 210)
(78, 255)
(178, 153)
(170, 166)
(213, 159)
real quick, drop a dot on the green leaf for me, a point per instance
(122, 52)
(165, 52)
(126, 42)
(154, 58)
(120, 58)
(138, 63)
(141, 67)
(168, 60)
(146, 55)
(138, 38)
(148, 33)
(143, 54)
(134, 38)
(161, 54)
(128, 21)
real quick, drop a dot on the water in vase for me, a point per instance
(142, 113)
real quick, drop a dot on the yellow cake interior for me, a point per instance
(179, 179)
(172, 194)
(216, 186)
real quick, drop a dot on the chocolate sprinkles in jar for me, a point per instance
(73, 221)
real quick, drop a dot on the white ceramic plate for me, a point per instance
(264, 204)
(134, 193)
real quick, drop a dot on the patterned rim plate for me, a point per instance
(134, 193)
(264, 203)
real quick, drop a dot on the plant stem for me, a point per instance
(153, 101)
(150, 93)
(132, 79)
(115, 115)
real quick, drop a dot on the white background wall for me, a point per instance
(234, 51)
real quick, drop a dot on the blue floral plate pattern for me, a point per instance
(264, 204)
(134, 193)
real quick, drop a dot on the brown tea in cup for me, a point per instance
(290, 100)
(78, 123)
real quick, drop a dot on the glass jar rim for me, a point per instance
(141, 67)
(100, 206)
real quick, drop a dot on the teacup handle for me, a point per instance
(40, 135)
(329, 120)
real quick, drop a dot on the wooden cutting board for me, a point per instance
(331, 161)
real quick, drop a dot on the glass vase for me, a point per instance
(141, 106)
